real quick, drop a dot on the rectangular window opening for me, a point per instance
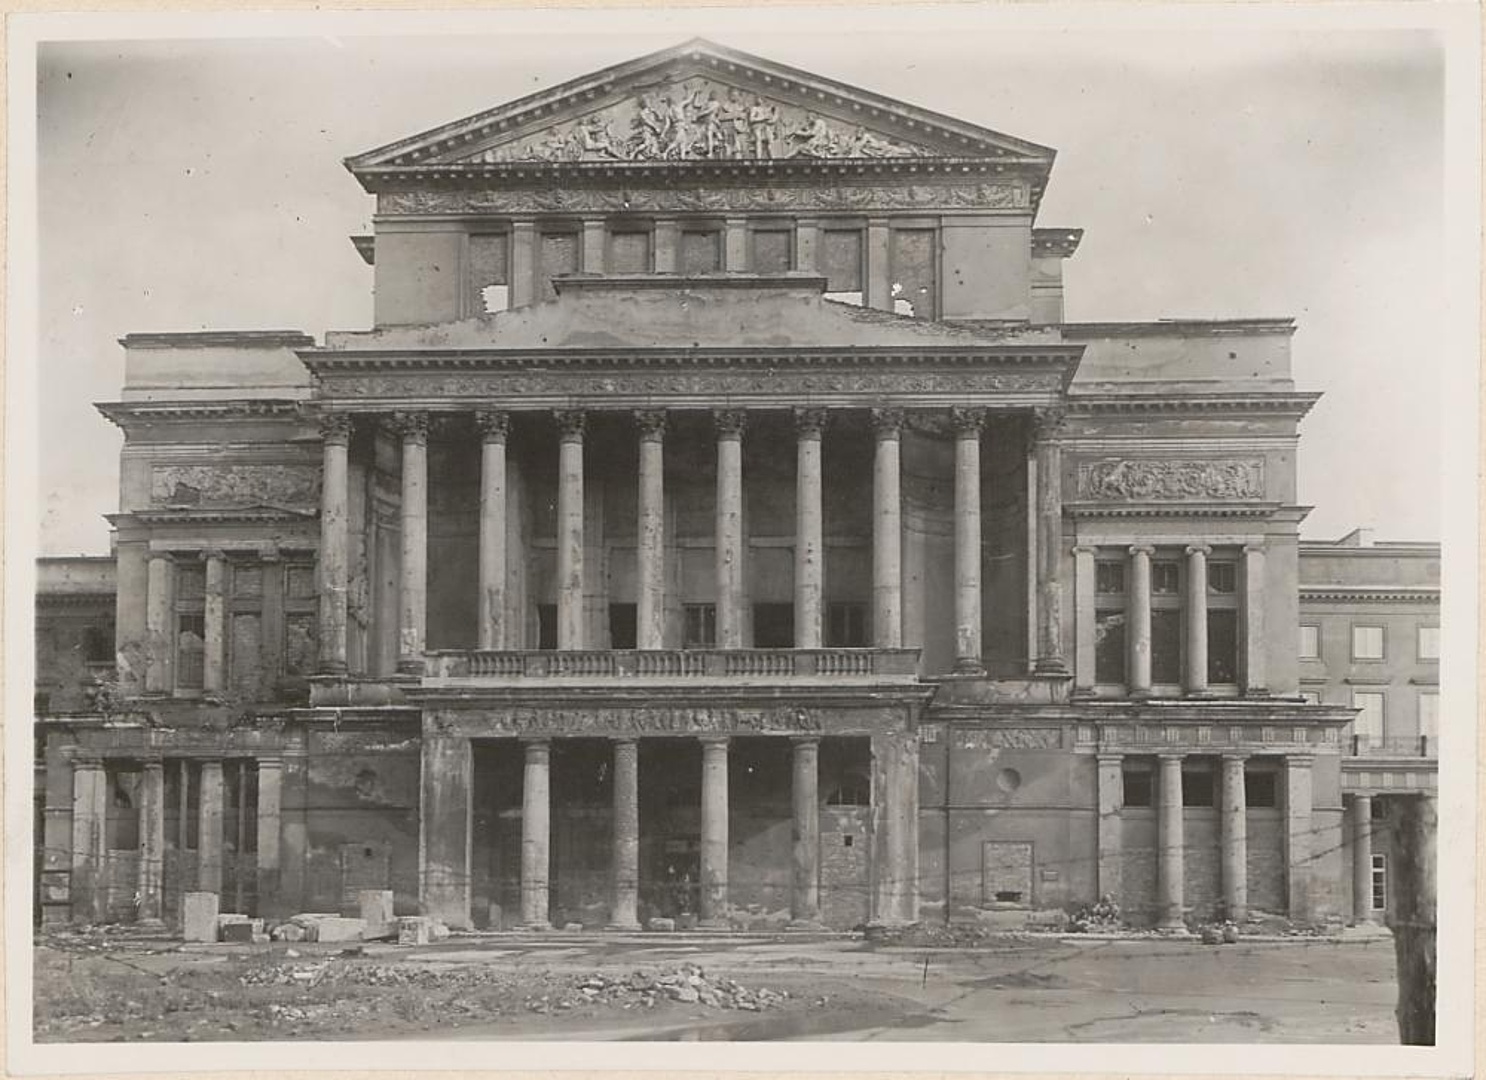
(1222, 646)
(1310, 642)
(701, 251)
(773, 626)
(846, 625)
(772, 251)
(699, 630)
(1260, 789)
(1379, 882)
(622, 626)
(1139, 783)
(546, 626)
(1166, 645)
(1429, 643)
(1367, 643)
(1197, 786)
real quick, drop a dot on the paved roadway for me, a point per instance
(1041, 990)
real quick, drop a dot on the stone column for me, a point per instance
(1298, 834)
(810, 569)
(1046, 424)
(152, 842)
(624, 911)
(714, 830)
(159, 659)
(650, 607)
(1362, 912)
(571, 624)
(335, 434)
(536, 826)
(209, 828)
(88, 889)
(805, 794)
(1235, 839)
(495, 426)
(1197, 619)
(895, 802)
(1138, 610)
(1085, 638)
(523, 263)
(444, 819)
(887, 530)
(879, 291)
(1170, 845)
(1111, 825)
(214, 624)
(413, 577)
(1256, 679)
(967, 424)
(730, 554)
(269, 829)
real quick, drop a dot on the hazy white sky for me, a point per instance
(190, 184)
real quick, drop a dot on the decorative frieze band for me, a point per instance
(1001, 195)
(283, 485)
(1161, 479)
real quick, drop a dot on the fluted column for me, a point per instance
(1085, 649)
(152, 842)
(209, 828)
(805, 795)
(1197, 619)
(159, 659)
(714, 830)
(967, 424)
(1362, 912)
(1256, 678)
(335, 435)
(1138, 611)
(536, 824)
(624, 911)
(412, 592)
(214, 624)
(1235, 839)
(730, 596)
(650, 607)
(1046, 425)
(495, 426)
(887, 529)
(571, 623)
(1170, 844)
(809, 537)
(1111, 825)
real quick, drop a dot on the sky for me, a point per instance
(1221, 172)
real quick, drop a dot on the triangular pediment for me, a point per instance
(698, 102)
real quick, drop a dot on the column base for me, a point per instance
(624, 927)
(539, 925)
(1050, 665)
(332, 667)
(713, 924)
(804, 924)
(410, 667)
(1082, 693)
(1198, 695)
(968, 665)
(150, 923)
(1141, 695)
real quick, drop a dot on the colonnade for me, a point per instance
(730, 427)
(1233, 834)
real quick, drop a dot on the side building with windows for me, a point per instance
(1370, 639)
(720, 518)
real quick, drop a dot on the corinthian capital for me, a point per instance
(967, 420)
(888, 422)
(652, 424)
(494, 424)
(810, 423)
(336, 428)
(1047, 422)
(729, 422)
(410, 427)
(571, 424)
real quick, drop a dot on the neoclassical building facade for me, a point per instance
(720, 518)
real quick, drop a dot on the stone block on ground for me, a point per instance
(376, 911)
(199, 916)
(288, 931)
(240, 933)
(337, 928)
(414, 930)
(437, 931)
(661, 924)
(572, 927)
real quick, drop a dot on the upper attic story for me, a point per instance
(75, 576)
(700, 159)
(1358, 562)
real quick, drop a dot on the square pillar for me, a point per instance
(1111, 826)
(1298, 834)
(1234, 839)
(1170, 845)
(269, 826)
(523, 263)
(895, 809)
(592, 258)
(1255, 675)
(667, 241)
(209, 828)
(444, 829)
(735, 245)
(152, 843)
(805, 799)
(89, 892)
(879, 292)
(807, 238)
(714, 861)
(536, 834)
(1085, 638)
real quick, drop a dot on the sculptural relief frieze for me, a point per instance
(235, 485)
(601, 720)
(991, 195)
(1008, 739)
(699, 120)
(1159, 479)
(660, 385)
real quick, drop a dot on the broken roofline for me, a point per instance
(531, 108)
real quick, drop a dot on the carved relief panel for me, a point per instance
(1171, 480)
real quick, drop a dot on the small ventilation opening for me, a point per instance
(1008, 896)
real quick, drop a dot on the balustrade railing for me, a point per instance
(670, 663)
(1395, 746)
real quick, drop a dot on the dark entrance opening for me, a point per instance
(582, 831)
(670, 827)
(495, 848)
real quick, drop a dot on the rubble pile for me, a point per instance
(687, 984)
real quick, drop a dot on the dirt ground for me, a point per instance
(94, 987)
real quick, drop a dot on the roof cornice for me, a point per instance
(1172, 510)
(126, 413)
(1369, 594)
(1281, 402)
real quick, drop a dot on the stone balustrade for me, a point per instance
(486, 665)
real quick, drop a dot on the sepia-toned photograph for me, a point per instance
(894, 526)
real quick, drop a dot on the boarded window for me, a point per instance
(559, 255)
(1259, 789)
(190, 652)
(846, 625)
(489, 272)
(124, 783)
(1138, 782)
(773, 626)
(546, 626)
(622, 633)
(841, 258)
(1008, 872)
(700, 626)
(701, 251)
(1367, 643)
(1109, 646)
(1310, 642)
(1166, 645)
(1197, 786)
(771, 251)
(915, 263)
(1165, 578)
(301, 643)
(1369, 722)
(301, 582)
(1222, 646)
(629, 252)
(1109, 578)
(190, 582)
(244, 652)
